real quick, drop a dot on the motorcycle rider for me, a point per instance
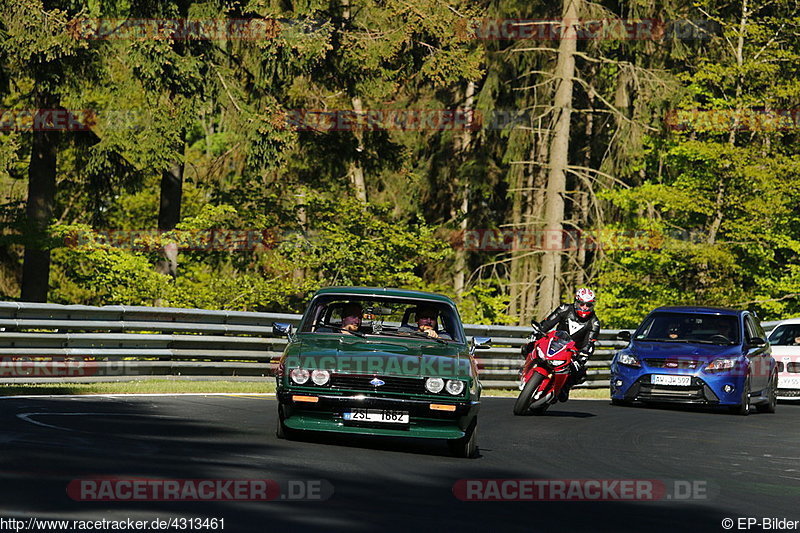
(580, 321)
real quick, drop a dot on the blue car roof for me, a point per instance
(689, 309)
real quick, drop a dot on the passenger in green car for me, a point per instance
(351, 316)
(427, 323)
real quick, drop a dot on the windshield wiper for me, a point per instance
(422, 334)
(687, 341)
(339, 328)
(664, 340)
(408, 333)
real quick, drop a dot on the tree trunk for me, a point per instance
(716, 222)
(739, 63)
(515, 306)
(466, 142)
(39, 211)
(549, 290)
(169, 213)
(299, 274)
(356, 172)
(583, 204)
(533, 204)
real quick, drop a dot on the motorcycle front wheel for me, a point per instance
(523, 403)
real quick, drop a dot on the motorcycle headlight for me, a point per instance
(454, 386)
(299, 375)
(434, 385)
(556, 362)
(720, 365)
(628, 360)
(320, 377)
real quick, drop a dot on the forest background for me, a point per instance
(242, 154)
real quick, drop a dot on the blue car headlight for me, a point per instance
(721, 365)
(628, 360)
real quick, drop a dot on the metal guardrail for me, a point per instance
(42, 342)
(116, 342)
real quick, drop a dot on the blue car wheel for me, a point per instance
(772, 395)
(743, 408)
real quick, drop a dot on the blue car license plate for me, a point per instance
(661, 379)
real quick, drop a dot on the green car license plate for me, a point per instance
(376, 415)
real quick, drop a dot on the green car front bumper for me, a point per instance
(424, 422)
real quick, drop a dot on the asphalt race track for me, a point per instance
(744, 466)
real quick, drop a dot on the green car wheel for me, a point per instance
(467, 446)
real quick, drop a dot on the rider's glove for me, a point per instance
(525, 349)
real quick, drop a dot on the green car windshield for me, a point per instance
(387, 316)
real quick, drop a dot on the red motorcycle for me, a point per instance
(545, 371)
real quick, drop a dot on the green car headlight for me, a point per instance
(434, 385)
(454, 386)
(320, 377)
(299, 375)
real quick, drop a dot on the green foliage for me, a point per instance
(351, 243)
(346, 243)
(485, 304)
(96, 273)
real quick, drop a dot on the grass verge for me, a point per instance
(573, 394)
(155, 386)
(164, 386)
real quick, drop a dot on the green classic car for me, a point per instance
(385, 362)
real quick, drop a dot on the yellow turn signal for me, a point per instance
(309, 399)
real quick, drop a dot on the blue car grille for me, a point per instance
(697, 392)
(360, 382)
(683, 364)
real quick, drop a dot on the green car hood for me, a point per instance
(379, 356)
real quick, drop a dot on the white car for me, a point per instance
(785, 341)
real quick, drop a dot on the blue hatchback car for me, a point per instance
(697, 355)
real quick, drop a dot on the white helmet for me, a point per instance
(584, 302)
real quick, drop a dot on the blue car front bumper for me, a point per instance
(719, 388)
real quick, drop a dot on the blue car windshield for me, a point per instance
(690, 327)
